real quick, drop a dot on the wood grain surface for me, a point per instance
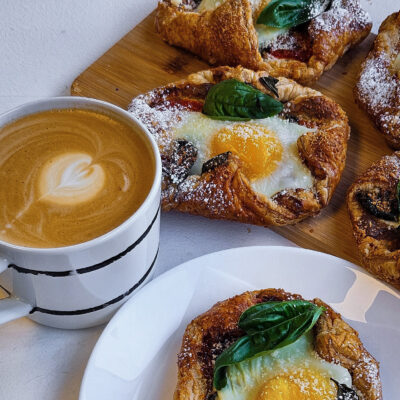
(142, 61)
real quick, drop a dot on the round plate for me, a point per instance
(135, 357)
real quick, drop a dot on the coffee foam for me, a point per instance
(70, 179)
(69, 176)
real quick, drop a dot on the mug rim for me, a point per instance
(156, 184)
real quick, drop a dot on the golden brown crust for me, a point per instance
(210, 333)
(223, 191)
(378, 240)
(378, 85)
(227, 36)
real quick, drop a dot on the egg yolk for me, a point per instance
(299, 385)
(258, 148)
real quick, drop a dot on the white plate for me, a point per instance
(135, 357)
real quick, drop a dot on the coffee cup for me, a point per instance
(64, 277)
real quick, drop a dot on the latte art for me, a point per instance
(70, 179)
(68, 176)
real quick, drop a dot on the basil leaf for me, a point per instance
(279, 324)
(268, 326)
(236, 101)
(289, 13)
(344, 392)
(264, 315)
(241, 350)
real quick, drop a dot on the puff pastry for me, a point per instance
(222, 190)
(226, 35)
(378, 86)
(373, 208)
(210, 333)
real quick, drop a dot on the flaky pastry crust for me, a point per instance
(378, 85)
(227, 35)
(215, 330)
(223, 191)
(378, 240)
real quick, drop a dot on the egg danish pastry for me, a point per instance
(378, 85)
(273, 345)
(296, 39)
(243, 146)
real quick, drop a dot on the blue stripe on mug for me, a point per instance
(59, 274)
(101, 306)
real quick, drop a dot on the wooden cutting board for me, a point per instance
(142, 61)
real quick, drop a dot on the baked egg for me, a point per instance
(293, 372)
(267, 148)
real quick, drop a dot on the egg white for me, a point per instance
(266, 34)
(207, 5)
(291, 172)
(244, 380)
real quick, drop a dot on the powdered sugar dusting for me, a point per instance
(331, 20)
(377, 85)
(210, 195)
(343, 15)
(158, 119)
(368, 372)
(284, 42)
(379, 91)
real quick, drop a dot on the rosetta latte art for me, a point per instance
(69, 176)
(71, 179)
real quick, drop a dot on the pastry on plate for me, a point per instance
(378, 85)
(296, 39)
(374, 208)
(240, 145)
(273, 345)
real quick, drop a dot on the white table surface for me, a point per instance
(44, 45)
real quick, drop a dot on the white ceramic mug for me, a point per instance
(82, 285)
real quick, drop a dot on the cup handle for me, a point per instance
(11, 307)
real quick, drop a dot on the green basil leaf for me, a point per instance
(241, 350)
(268, 326)
(265, 315)
(233, 100)
(279, 324)
(289, 13)
(344, 392)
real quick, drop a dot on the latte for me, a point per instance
(70, 175)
